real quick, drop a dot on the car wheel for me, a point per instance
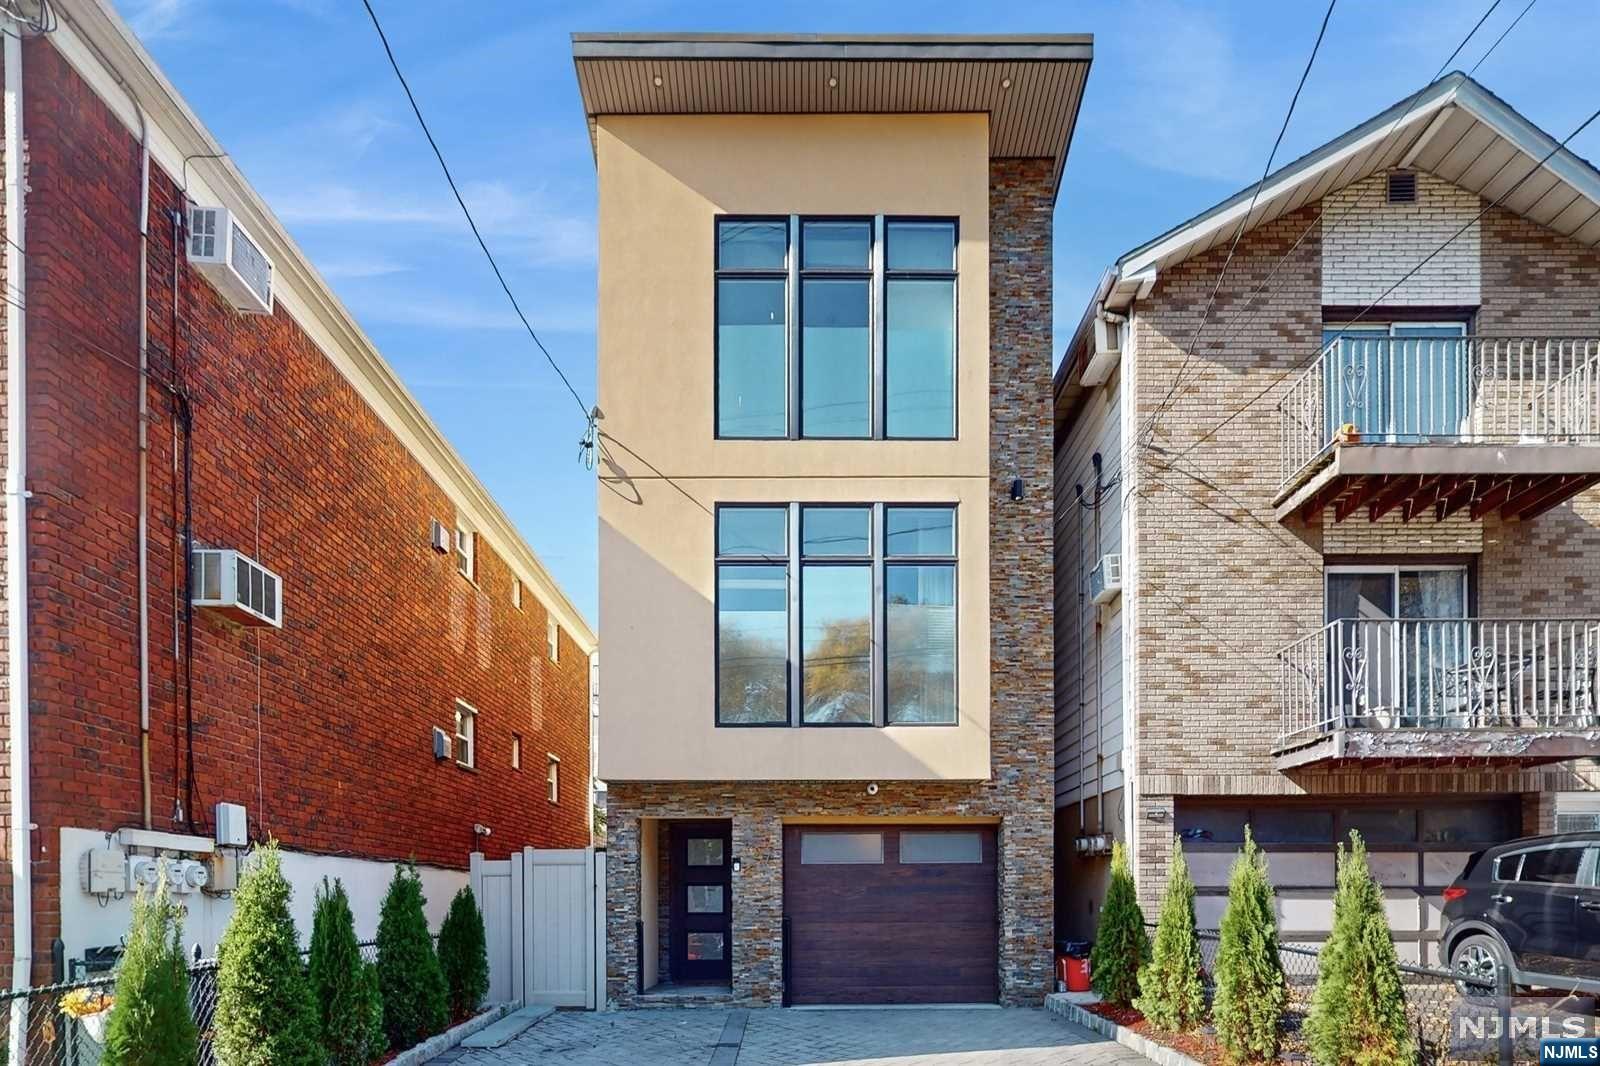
(1480, 958)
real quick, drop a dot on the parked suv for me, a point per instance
(1528, 913)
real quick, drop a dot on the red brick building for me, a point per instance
(282, 436)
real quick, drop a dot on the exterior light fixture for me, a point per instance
(1005, 83)
(657, 80)
(1018, 489)
(833, 82)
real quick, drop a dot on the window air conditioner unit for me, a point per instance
(223, 250)
(237, 587)
(1105, 580)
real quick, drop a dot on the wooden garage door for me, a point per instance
(880, 914)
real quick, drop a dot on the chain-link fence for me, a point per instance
(1433, 1000)
(64, 1028)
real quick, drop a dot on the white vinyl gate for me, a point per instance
(544, 917)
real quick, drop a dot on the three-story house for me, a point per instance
(825, 569)
(1328, 550)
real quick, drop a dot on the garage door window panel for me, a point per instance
(841, 849)
(937, 847)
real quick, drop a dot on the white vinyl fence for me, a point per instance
(544, 916)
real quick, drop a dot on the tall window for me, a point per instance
(859, 598)
(466, 733)
(752, 615)
(830, 328)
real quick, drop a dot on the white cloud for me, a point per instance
(359, 265)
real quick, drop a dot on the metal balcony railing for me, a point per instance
(1449, 673)
(1451, 390)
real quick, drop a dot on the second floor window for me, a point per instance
(835, 328)
(836, 615)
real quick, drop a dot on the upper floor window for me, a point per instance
(467, 553)
(835, 328)
(466, 734)
(860, 596)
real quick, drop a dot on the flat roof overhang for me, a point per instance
(1352, 748)
(1520, 481)
(1031, 86)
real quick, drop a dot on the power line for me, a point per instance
(1386, 292)
(1261, 286)
(588, 414)
(1502, 37)
(1244, 219)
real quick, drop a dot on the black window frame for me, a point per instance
(867, 562)
(794, 274)
(785, 273)
(720, 559)
(953, 561)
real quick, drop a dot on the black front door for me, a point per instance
(702, 901)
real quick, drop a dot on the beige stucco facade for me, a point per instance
(663, 181)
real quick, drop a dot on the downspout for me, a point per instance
(144, 460)
(16, 526)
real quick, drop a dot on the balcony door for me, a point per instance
(1399, 642)
(1398, 382)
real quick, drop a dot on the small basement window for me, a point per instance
(1402, 186)
(466, 733)
(552, 776)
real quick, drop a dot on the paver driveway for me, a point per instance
(803, 1038)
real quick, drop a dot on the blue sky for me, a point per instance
(1182, 106)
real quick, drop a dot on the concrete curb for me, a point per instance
(1059, 1003)
(438, 1045)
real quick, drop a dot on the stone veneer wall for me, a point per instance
(1019, 792)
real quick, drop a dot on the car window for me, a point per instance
(1551, 866)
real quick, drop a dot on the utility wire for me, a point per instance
(1254, 310)
(1502, 37)
(588, 413)
(1205, 317)
(1386, 292)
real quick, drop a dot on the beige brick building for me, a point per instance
(1343, 531)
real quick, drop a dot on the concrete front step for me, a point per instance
(508, 1028)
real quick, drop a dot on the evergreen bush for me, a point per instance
(339, 982)
(265, 1015)
(1358, 1011)
(150, 1023)
(1171, 993)
(409, 977)
(464, 955)
(1121, 945)
(1250, 994)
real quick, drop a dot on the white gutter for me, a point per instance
(16, 525)
(144, 461)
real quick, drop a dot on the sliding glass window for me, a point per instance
(752, 328)
(836, 328)
(920, 615)
(752, 615)
(920, 333)
(836, 615)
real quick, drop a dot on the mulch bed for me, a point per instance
(1200, 1045)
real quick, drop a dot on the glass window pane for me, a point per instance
(836, 357)
(835, 531)
(836, 245)
(1552, 866)
(823, 849)
(705, 899)
(1433, 594)
(836, 644)
(921, 245)
(920, 530)
(920, 358)
(921, 656)
(752, 644)
(1470, 825)
(704, 851)
(704, 947)
(752, 531)
(1206, 825)
(941, 846)
(1291, 825)
(746, 245)
(1381, 825)
(752, 348)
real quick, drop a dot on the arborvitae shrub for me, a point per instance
(1251, 994)
(1171, 993)
(409, 977)
(150, 1023)
(464, 955)
(265, 1015)
(339, 982)
(1358, 1012)
(1121, 945)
